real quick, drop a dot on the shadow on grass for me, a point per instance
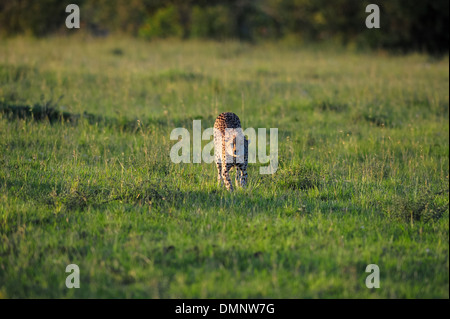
(51, 113)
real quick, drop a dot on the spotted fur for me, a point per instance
(229, 140)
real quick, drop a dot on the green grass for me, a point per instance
(362, 179)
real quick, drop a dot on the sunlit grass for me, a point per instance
(363, 173)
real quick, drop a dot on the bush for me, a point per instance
(164, 23)
(211, 22)
(36, 18)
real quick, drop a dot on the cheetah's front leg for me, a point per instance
(238, 177)
(244, 176)
(226, 176)
(219, 174)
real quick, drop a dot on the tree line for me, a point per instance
(405, 25)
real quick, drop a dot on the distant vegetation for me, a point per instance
(405, 25)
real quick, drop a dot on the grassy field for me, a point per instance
(86, 177)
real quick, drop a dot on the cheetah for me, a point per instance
(229, 142)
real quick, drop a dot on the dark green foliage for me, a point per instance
(37, 112)
(330, 106)
(32, 17)
(300, 177)
(50, 112)
(211, 22)
(117, 51)
(179, 75)
(422, 208)
(164, 23)
(405, 25)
